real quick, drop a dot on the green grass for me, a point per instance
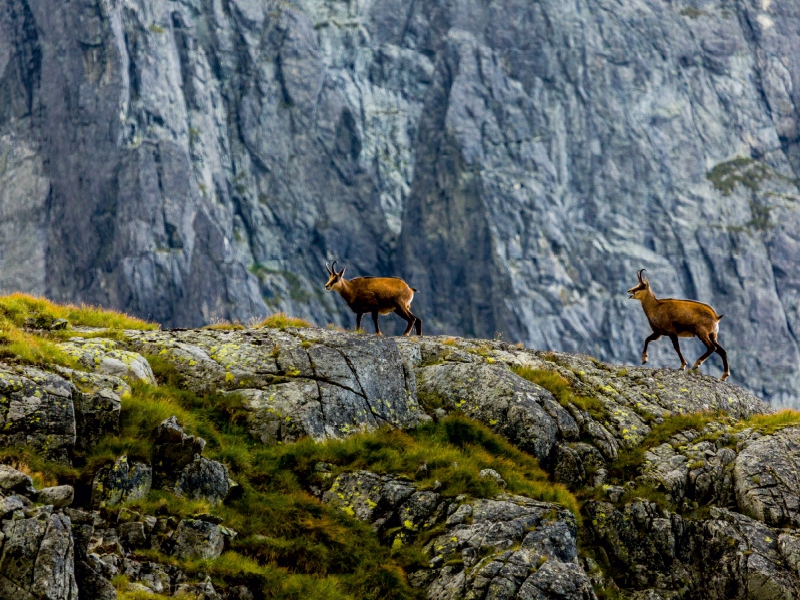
(282, 321)
(561, 389)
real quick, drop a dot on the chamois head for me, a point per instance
(639, 291)
(335, 279)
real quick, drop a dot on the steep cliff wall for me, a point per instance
(516, 160)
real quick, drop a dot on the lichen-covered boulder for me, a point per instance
(506, 547)
(121, 481)
(172, 451)
(204, 479)
(198, 538)
(37, 560)
(767, 479)
(105, 356)
(12, 481)
(486, 548)
(300, 382)
(97, 399)
(36, 410)
(59, 496)
(521, 411)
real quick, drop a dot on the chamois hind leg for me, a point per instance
(723, 355)
(375, 320)
(358, 320)
(650, 338)
(677, 347)
(409, 318)
(710, 348)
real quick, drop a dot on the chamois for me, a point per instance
(375, 295)
(679, 318)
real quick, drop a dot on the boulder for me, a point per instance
(91, 574)
(521, 411)
(204, 479)
(121, 481)
(197, 538)
(104, 356)
(172, 451)
(97, 399)
(37, 560)
(37, 411)
(59, 496)
(309, 382)
(12, 481)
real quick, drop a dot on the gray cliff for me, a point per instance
(516, 161)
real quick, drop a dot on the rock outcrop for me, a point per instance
(708, 511)
(302, 382)
(503, 547)
(516, 162)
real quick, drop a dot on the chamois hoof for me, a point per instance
(724, 376)
(682, 368)
(644, 360)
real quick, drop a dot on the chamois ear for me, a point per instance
(341, 273)
(639, 275)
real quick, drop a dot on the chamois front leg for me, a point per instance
(724, 356)
(375, 320)
(650, 338)
(677, 347)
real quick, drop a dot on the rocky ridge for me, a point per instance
(719, 490)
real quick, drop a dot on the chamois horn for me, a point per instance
(639, 274)
(327, 268)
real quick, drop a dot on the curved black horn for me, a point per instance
(327, 268)
(639, 274)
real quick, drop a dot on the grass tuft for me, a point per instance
(770, 423)
(561, 389)
(282, 321)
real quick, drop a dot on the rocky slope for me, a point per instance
(517, 161)
(680, 486)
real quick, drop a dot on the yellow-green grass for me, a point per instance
(41, 348)
(17, 308)
(561, 389)
(771, 422)
(282, 321)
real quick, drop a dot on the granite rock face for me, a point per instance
(505, 547)
(296, 382)
(516, 161)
